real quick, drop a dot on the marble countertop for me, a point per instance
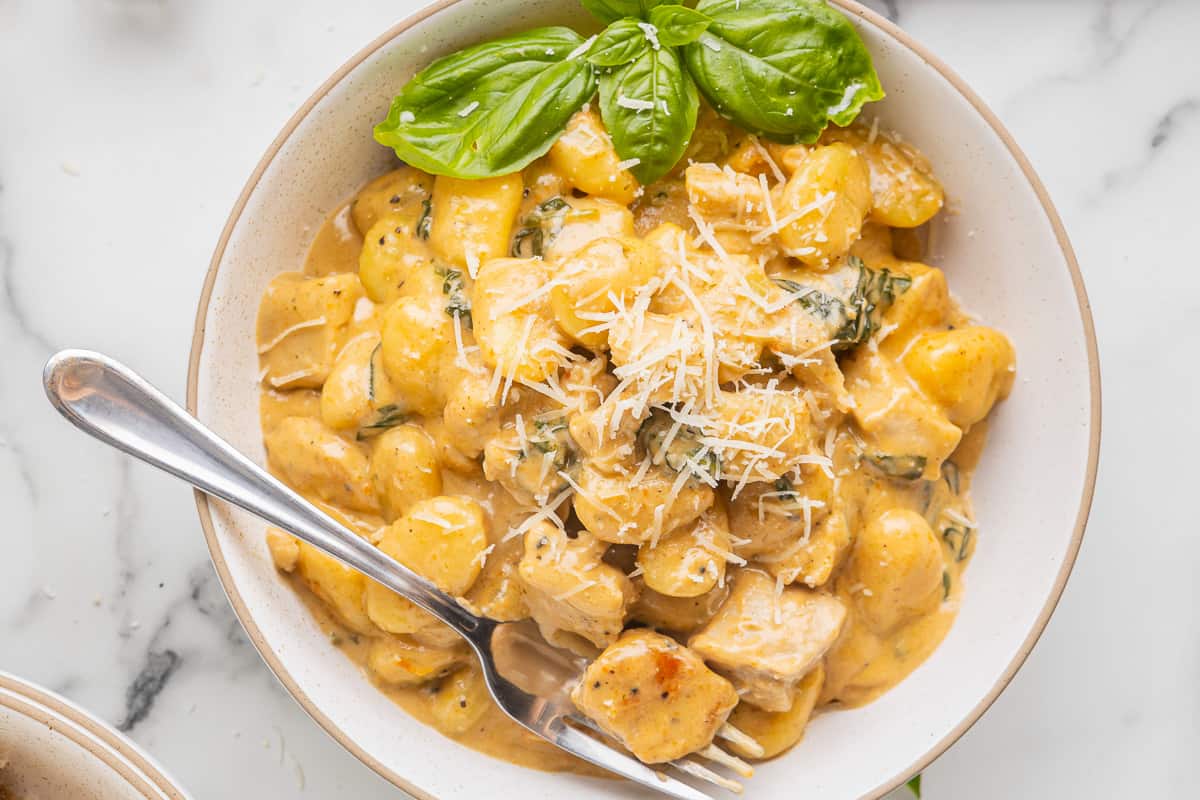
(128, 128)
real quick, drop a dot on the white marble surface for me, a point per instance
(127, 128)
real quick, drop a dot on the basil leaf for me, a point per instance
(612, 10)
(649, 107)
(914, 786)
(678, 25)
(782, 68)
(489, 109)
(618, 44)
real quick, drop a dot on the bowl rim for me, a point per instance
(99, 739)
(852, 7)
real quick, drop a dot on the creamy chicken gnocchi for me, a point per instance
(715, 433)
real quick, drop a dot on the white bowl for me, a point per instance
(1007, 258)
(50, 748)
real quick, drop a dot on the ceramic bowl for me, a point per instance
(1007, 259)
(51, 748)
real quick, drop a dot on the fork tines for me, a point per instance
(712, 753)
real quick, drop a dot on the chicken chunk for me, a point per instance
(574, 596)
(655, 695)
(764, 642)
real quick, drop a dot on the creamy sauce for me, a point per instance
(456, 407)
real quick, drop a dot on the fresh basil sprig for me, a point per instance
(619, 43)
(781, 68)
(678, 25)
(612, 10)
(649, 107)
(490, 109)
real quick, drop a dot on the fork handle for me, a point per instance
(112, 403)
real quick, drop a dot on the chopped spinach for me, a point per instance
(786, 489)
(542, 225)
(908, 468)
(426, 219)
(454, 289)
(551, 436)
(959, 540)
(850, 301)
(683, 452)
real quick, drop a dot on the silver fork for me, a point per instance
(528, 678)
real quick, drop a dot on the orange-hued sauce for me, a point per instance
(732, 406)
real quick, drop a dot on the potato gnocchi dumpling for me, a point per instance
(714, 435)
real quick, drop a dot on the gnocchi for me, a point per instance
(714, 435)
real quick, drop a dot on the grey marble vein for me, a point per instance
(125, 521)
(21, 458)
(1110, 42)
(1166, 130)
(16, 310)
(149, 683)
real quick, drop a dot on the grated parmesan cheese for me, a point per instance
(633, 104)
(286, 332)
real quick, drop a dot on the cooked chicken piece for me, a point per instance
(571, 593)
(655, 695)
(681, 615)
(766, 642)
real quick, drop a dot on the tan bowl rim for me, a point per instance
(1085, 313)
(96, 737)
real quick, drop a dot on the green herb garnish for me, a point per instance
(610, 10)
(490, 109)
(907, 468)
(786, 489)
(914, 786)
(426, 219)
(850, 301)
(683, 453)
(959, 540)
(454, 289)
(782, 68)
(541, 226)
(649, 107)
(945, 585)
(385, 417)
